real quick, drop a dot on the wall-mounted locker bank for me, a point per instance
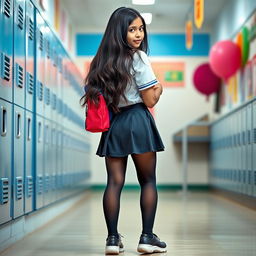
(233, 151)
(44, 150)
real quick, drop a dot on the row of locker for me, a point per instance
(36, 73)
(44, 151)
(41, 162)
(233, 151)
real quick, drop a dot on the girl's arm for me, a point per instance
(151, 95)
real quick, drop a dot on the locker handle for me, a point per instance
(18, 117)
(3, 121)
(29, 128)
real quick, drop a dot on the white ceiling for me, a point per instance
(168, 15)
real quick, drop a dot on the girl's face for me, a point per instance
(135, 34)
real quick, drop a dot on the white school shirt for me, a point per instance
(143, 78)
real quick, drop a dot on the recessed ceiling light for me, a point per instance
(147, 16)
(143, 2)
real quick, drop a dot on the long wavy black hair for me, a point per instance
(110, 69)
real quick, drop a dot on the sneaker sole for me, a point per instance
(146, 248)
(113, 250)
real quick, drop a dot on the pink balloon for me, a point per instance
(205, 81)
(225, 58)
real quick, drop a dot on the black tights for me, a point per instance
(116, 168)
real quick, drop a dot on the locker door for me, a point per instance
(30, 57)
(239, 141)
(19, 53)
(6, 49)
(254, 149)
(5, 163)
(39, 175)
(48, 71)
(244, 163)
(47, 160)
(53, 153)
(59, 156)
(249, 150)
(18, 162)
(29, 157)
(54, 81)
(40, 62)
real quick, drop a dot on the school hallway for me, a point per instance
(198, 224)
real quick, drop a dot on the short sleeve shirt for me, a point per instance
(143, 78)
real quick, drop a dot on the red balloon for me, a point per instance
(205, 81)
(225, 58)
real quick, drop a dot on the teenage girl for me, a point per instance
(122, 72)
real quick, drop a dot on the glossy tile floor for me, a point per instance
(200, 224)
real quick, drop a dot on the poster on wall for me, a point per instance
(169, 74)
(248, 80)
(254, 75)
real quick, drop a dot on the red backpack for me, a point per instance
(97, 117)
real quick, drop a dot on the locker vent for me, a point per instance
(6, 67)
(20, 17)
(7, 8)
(19, 79)
(19, 187)
(29, 186)
(54, 101)
(40, 91)
(254, 132)
(31, 29)
(39, 184)
(47, 96)
(41, 41)
(4, 190)
(30, 83)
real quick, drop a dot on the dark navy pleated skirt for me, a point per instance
(132, 131)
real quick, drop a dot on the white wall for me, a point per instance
(177, 107)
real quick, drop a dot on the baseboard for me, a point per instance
(160, 187)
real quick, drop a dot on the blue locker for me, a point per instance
(48, 70)
(54, 76)
(6, 49)
(40, 62)
(39, 175)
(60, 159)
(19, 53)
(18, 161)
(47, 160)
(29, 175)
(239, 139)
(244, 148)
(53, 163)
(6, 160)
(249, 149)
(30, 55)
(254, 148)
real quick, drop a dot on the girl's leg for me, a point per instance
(145, 166)
(116, 168)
